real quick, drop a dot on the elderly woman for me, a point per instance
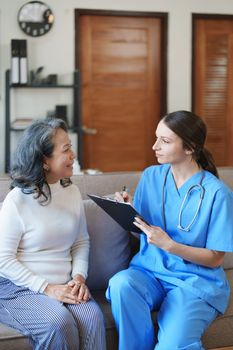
(44, 247)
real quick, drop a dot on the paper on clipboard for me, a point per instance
(122, 212)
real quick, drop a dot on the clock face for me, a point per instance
(35, 18)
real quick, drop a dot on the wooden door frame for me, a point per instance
(194, 17)
(164, 20)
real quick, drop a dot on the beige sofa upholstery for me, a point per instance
(111, 249)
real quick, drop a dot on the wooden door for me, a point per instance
(120, 60)
(213, 83)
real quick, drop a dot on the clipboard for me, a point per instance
(123, 213)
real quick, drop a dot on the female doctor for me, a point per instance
(178, 268)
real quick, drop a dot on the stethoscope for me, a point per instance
(202, 192)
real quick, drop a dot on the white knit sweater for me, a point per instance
(43, 244)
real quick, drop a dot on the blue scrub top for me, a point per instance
(212, 229)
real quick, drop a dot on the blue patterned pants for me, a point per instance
(50, 324)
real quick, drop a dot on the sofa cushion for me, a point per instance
(228, 261)
(110, 246)
(11, 339)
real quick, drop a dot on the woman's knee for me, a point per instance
(88, 314)
(120, 285)
(61, 320)
(95, 314)
(179, 333)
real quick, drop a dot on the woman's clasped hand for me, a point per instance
(74, 292)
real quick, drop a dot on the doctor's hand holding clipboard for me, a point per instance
(155, 235)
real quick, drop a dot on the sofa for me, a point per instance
(111, 250)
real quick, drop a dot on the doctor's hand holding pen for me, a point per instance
(123, 195)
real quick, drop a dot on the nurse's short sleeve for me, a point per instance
(220, 230)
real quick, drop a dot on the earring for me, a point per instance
(46, 167)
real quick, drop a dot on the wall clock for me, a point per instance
(35, 18)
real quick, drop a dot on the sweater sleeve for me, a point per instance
(11, 231)
(80, 248)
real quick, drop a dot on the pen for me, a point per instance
(124, 189)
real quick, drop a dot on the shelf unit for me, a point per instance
(8, 128)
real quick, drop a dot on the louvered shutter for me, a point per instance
(212, 81)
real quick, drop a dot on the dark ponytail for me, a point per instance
(192, 130)
(206, 161)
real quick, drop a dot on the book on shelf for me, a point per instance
(15, 61)
(19, 69)
(21, 123)
(23, 70)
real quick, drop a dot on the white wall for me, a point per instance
(56, 51)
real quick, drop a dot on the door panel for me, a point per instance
(213, 80)
(120, 61)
